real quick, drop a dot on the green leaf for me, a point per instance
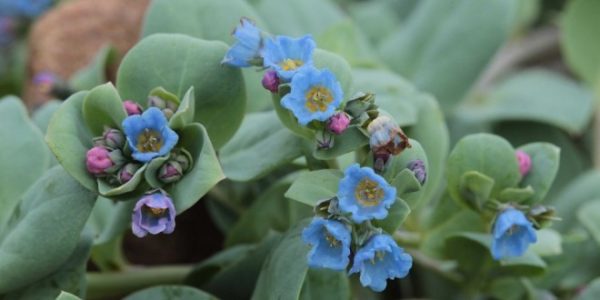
(299, 17)
(472, 250)
(108, 190)
(50, 216)
(103, 107)
(259, 147)
(446, 219)
(66, 296)
(177, 62)
(209, 20)
(268, 212)
(516, 194)
(489, 155)
(350, 140)
(545, 159)
(431, 132)
(579, 40)
(425, 48)
(475, 188)
(399, 164)
(204, 19)
(396, 216)
(68, 279)
(535, 95)
(41, 116)
(205, 172)
(549, 243)
(240, 265)
(171, 292)
(406, 183)
(283, 273)
(311, 187)
(185, 112)
(94, 73)
(23, 155)
(325, 284)
(109, 219)
(69, 139)
(347, 40)
(589, 216)
(591, 291)
(581, 190)
(363, 13)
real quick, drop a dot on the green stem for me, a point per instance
(597, 138)
(114, 284)
(407, 238)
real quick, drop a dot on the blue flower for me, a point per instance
(512, 234)
(315, 95)
(365, 194)
(247, 46)
(287, 55)
(380, 259)
(330, 242)
(153, 213)
(149, 135)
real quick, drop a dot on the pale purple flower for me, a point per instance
(153, 213)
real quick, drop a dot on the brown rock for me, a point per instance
(67, 38)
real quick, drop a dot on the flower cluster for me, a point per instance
(343, 232)
(513, 231)
(315, 96)
(122, 157)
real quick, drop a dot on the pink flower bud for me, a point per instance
(338, 123)
(270, 81)
(132, 108)
(524, 162)
(98, 160)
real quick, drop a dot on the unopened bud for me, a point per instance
(418, 168)
(524, 162)
(113, 138)
(338, 123)
(324, 139)
(270, 81)
(132, 108)
(127, 172)
(171, 171)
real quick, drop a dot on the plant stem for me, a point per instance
(407, 238)
(597, 138)
(113, 284)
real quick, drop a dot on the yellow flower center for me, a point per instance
(291, 64)
(379, 255)
(318, 98)
(155, 211)
(368, 192)
(332, 241)
(149, 141)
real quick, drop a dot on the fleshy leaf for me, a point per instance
(46, 226)
(69, 139)
(178, 62)
(311, 187)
